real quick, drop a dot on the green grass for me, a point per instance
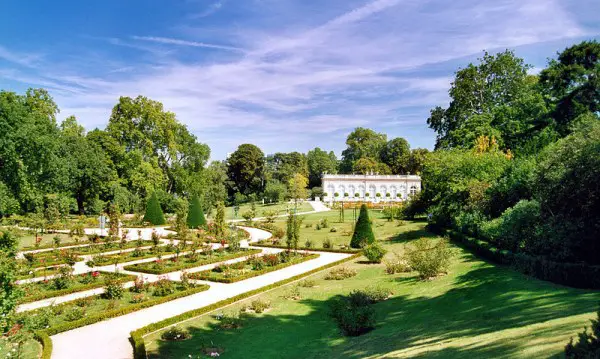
(31, 349)
(280, 208)
(27, 240)
(477, 310)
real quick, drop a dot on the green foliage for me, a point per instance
(113, 287)
(354, 314)
(195, 217)
(362, 143)
(245, 170)
(175, 334)
(154, 213)
(427, 259)
(363, 233)
(396, 155)
(374, 252)
(320, 162)
(220, 226)
(275, 191)
(398, 264)
(588, 345)
(9, 291)
(518, 228)
(292, 233)
(283, 167)
(340, 273)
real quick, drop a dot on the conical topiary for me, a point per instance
(154, 213)
(195, 216)
(363, 233)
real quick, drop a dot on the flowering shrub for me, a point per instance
(113, 288)
(340, 273)
(74, 313)
(139, 285)
(271, 260)
(163, 287)
(139, 298)
(175, 334)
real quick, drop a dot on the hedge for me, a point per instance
(182, 265)
(58, 293)
(331, 250)
(578, 275)
(137, 336)
(207, 275)
(43, 336)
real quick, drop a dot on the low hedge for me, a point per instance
(182, 265)
(58, 293)
(330, 250)
(137, 336)
(577, 275)
(43, 336)
(208, 275)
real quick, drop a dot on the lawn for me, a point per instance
(261, 209)
(476, 310)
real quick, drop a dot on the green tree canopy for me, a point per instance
(396, 155)
(362, 143)
(245, 170)
(319, 162)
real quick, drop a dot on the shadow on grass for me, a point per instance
(484, 301)
(411, 235)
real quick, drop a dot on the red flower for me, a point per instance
(95, 274)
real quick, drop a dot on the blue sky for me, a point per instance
(283, 74)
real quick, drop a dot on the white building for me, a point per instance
(370, 188)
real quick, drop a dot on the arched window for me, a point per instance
(394, 191)
(413, 190)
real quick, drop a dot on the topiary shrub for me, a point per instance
(588, 345)
(363, 233)
(154, 213)
(195, 216)
(374, 252)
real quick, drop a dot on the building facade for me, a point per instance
(369, 188)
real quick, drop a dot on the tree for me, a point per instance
(297, 187)
(283, 166)
(495, 98)
(362, 142)
(417, 160)
(275, 191)
(588, 345)
(320, 162)
(367, 165)
(396, 155)
(195, 217)
(363, 233)
(293, 224)
(572, 82)
(220, 227)
(245, 170)
(154, 213)
(209, 184)
(181, 222)
(114, 217)
(9, 290)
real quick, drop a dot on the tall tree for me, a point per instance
(319, 162)
(245, 170)
(362, 142)
(396, 154)
(9, 290)
(489, 99)
(297, 187)
(283, 166)
(417, 160)
(572, 82)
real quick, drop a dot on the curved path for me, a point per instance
(110, 338)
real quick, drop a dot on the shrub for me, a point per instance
(327, 243)
(259, 306)
(293, 293)
(333, 230)
(74, 313)
(376, 294)
(308, 244)
(363, 233)
(353, 314)
(154, 213)
(396, 265)
(324, 223)
(429, 261)
(374, 252)
(113, 289)
(175, 334)
(229, 321)
(340, 273)
(163, 287)
(307, 283)
(139, 298)
(588, 345)
(195, 217)
(139, 285)
(271, 259)
(84, 302)
(63, 278)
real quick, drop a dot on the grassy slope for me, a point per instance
(477, 310)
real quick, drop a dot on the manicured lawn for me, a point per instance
(279, 208)
(229, 273)
(55, 287)
(477, 310)
(189, 261)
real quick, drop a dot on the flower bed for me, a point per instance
(271, 244)
(38, 272)
(67, 284)
(253, 267)
(189, 261)
(50, 258)
(100, 259)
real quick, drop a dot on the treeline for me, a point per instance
(517, 163)
(59, 168)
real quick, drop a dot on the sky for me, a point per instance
(286, 75)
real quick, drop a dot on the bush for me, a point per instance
(376, 294)
(259, 306)
(429, 261)
(517, 228)
(327, 244)
(154, 213)
(588, 345)
(397, 265)
(195, 217)
(74, 313)
(307, 283)
(363, 233)
(340, 273)
(175, 334)
(113, 288)
(353, 314)
(308, 244)
(163, 287)
(374, 252)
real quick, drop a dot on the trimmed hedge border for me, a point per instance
(243, 253)
(129, 258)
(330, 250)
(58, 293)
(200, 276)
(43, 336)
(137, 336)
(577, 275)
